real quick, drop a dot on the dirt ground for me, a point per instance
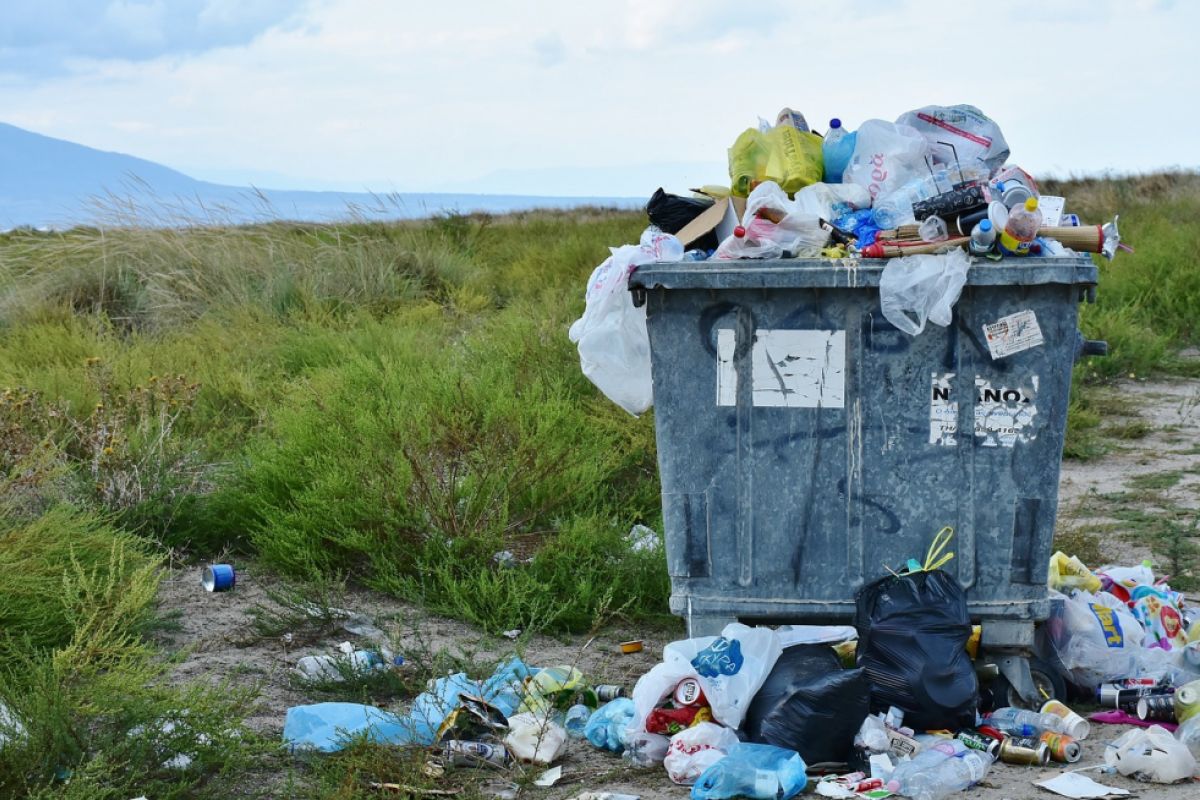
(216, 634)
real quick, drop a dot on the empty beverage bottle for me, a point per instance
(1018, 720)
(949, 775)
(576, 720)
(836, 150)
(983, 238)
(1022, 228)
(926, 760)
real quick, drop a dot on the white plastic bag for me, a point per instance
(1094, 637)
(925, 287)
(886, 156)
(973, 134)
(695, 749)
(644, 749)
(1150, 754)
(796, 232)
(614, 348)
(819, 199)
(534, 738)
(731, 669)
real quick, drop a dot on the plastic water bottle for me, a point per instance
(836, 150)
(983, 238)
(1016, 720)
(926, 760)
(576, 720)
(1022, 228)
(951, 774)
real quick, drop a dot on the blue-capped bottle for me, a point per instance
(836, 150)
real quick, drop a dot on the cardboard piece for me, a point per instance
(723, 216)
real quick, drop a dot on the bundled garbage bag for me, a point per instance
(886, 156)
(790, 157)
(913, 631)
(695, 749)
(670, 213)
(810, 704)
(974, 136)
(607, 728)
(614, 348)
(756, 771)
(730, 667)
(917, 289)
(1091, 638)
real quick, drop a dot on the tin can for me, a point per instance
(607, 692)
(689, 693)
(1062, 747)
(978, 741)
(1158, 707)
(1112, 695)
(1187, 701)
(1074, 725)
(1024, 750)
(218, 578)
(461, 753)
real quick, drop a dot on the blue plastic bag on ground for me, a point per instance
(605, 728)
(503, 690)
(757, 771)
(328, 726)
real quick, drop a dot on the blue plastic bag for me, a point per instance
(328, 726)
(605, 727)
(757, 771)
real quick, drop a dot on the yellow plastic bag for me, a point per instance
(545, 689)
(747, 161)
(1068, 572)
(794, 158)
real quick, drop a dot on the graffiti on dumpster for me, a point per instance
(1004, 415)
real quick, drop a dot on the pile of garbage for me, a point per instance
(890, 705)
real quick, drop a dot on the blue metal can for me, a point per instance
(219, 577)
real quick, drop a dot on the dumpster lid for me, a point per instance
(845, 273)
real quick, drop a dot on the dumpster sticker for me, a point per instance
(1004, 415)
(943, 412)
(726, 370)
(1012, 334)
(799, 369)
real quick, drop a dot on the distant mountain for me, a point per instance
(47, 182)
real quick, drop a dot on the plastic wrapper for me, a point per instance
(783, 154)
(810, 704)
(913, 631)
(328, 726)
(773, 227)
(730, 667)
(1068, 572)
(756, 771)
(886, 156)
(918, 289)
(1150, 754)
(1161, 618)
(974, 135)
(614, 347)
(696, 749)
(831, 200)
(644, 749)
(608, 727)
(535, 738)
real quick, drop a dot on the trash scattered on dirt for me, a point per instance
(549, 777)
(218, 578)
(1080, 787)
(632, 646)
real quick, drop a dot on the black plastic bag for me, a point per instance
(912, 636)
(809, 704)
(670, 213)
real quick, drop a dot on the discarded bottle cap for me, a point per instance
(218, 578)
(835, 123)
(634, 646)
(1031, 204)
(739, 232)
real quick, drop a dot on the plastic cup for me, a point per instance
(934, 229)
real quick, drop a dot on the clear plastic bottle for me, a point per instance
(896, 208)
(951, 774)
(926, 760)
(1021, 230)
(576, 720)
(836, 150)
(1018, 720)
(983, 238)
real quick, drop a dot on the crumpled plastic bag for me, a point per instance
(328, 726)
(614, 348)
(1150, 754)
(831, 200)
(791, 158)
(731, 669)
(1091, 638)
(548, 683)
(756, 771)
(606, 728)
(1160, 616)
(1068, 572)
(973, 134)
(535, 738)
(886, 156)
(923, 287)
(644, 749)
(695, 749)
(773, 227)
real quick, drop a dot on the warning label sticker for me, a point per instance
(1013, 334)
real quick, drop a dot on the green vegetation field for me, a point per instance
(391, 405)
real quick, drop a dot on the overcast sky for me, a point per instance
(592, 98)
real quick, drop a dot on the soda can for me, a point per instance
(607, 692)
(689, 693)
(1024, 750)
(1158, 708)
(218, 578)
(462, 753)
(1187, 701)
(978, 741)
(1062, 747)
(1074, 725)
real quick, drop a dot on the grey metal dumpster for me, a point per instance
(804, 442)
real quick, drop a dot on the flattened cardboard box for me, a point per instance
(723, 216)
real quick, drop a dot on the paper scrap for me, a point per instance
(1013, 334)
(832, 789)
(549, 777)
(1080, 787)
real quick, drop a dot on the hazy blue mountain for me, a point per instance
(52, 182)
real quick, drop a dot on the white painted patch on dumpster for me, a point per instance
(1004, 415)
(943, 412)
(726, 370)
(1013, 334)
(799, 368)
